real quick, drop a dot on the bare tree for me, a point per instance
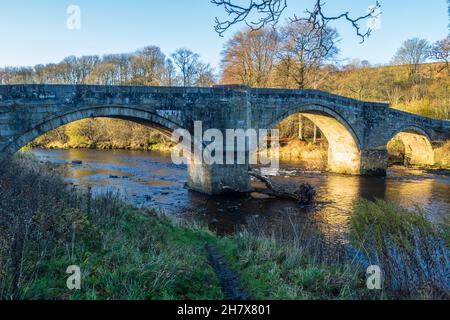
(249, 57)
(355, 64)
(21, 75)
(440, 51)
(86, 65)
(413, 52)
(121, 63)
(148, 66)
(304, 51)
(269, 12)
(187, 61)
(104, 73)
(170, 74)
(259, 13)
(6, 74)
(205, 75)
(70, 69)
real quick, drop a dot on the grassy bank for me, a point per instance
(295, 263)
(123, 253)
(314, 156)
(126, 253)
(428, 95)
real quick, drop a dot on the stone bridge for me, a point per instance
(358, 132)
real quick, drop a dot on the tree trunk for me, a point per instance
(305, 194)
(315, 133)
(300, 127)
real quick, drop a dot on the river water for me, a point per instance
(151, 180)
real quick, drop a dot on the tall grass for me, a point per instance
(411, 251)
(443, 156)
(295, 262)
(45, 226)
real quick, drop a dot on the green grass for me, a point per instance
(140, 256)
(411, 251)
(131, 254)
(123, 252)
(271, 270)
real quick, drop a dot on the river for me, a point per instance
(151, 180)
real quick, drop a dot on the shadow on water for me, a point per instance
(151, 180)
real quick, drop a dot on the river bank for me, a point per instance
(129, 253)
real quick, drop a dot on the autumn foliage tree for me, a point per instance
(293, 57)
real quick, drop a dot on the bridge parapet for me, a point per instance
(314, 95)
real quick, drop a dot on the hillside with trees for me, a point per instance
(417, 80)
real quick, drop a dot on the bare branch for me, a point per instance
(320, 21)
(270, 12)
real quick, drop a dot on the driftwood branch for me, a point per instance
(304, 195)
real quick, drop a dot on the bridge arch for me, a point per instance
(416, 143)
(165, 125)
(344, 155)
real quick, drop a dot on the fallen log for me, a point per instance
(274, 190)
(305, 194)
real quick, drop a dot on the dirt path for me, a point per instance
(229, 280)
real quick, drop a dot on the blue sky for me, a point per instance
(34, 31)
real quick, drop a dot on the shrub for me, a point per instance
(443, 155)
(411, 251)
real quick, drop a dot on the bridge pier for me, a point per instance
(343, 161)
(211, 179)
(374, 162)
(366, 163)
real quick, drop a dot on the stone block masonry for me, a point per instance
(358, 132)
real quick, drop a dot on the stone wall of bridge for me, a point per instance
(29, 111)
(357, 132)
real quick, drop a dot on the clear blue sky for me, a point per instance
(34, 31)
